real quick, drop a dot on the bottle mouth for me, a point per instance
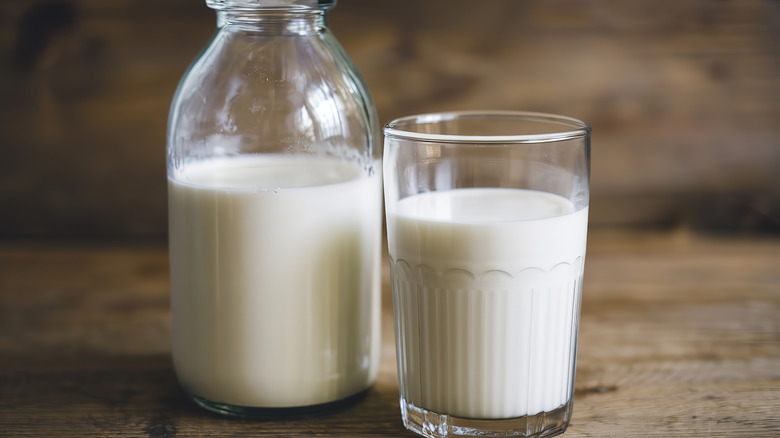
(272, 5)
(487, 127)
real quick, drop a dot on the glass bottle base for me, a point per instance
(266, 412)
(431, 424)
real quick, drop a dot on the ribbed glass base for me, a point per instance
(249, 411)
(431, 424)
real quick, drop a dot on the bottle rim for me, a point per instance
(270, 5)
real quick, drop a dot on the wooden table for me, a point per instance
(680, 336)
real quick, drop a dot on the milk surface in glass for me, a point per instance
(275, 287)
(487, 285)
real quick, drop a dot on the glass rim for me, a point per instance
(578, 128)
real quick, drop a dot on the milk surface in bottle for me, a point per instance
(275, 279)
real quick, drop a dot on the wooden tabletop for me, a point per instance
(680, 336)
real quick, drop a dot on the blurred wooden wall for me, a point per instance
(683, 97)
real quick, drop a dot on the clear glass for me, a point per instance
(274, 191)
(487, 218)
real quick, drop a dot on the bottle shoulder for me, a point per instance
(260, 66)
(297, 90)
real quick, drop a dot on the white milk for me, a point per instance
(275, 280)
(487, 286)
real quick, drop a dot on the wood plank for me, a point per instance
(684, 100)
(680, 336)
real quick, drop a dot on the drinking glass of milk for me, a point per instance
(487, 215)
(275, 215)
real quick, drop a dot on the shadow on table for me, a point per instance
(139, 395)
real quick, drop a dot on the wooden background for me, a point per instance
(683, 97)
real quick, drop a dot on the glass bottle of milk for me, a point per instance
(274, 199)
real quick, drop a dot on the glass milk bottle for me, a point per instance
(274, 193)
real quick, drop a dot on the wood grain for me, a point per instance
(684, 99)
(680, 336)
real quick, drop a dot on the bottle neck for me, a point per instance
(276, 20)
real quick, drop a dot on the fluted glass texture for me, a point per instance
(486, 219)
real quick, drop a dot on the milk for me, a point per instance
(275, 280)
(486, 289)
